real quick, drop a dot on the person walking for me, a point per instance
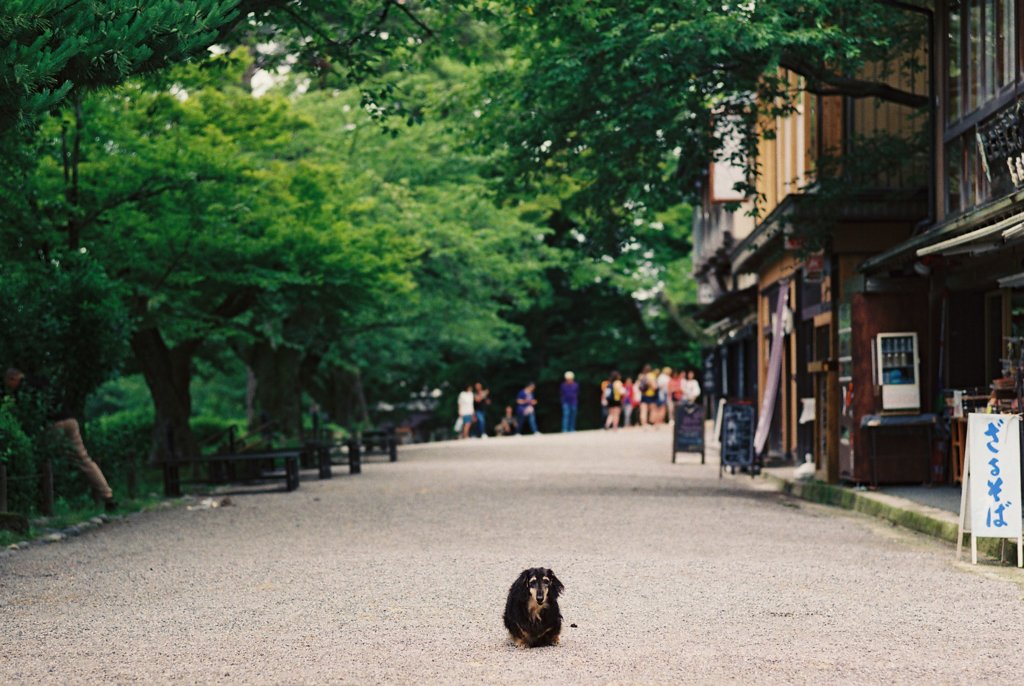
(604, 401)
(627, 402)
(648, 385)
(570, 394)
(614, 393)
(481, 399)
(466, 413)
(637, 402)
(63, 421)
(526, 408)
(675, 393)
(662, 403)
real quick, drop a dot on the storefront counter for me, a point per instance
(899, 447)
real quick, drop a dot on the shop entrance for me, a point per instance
(824, 372)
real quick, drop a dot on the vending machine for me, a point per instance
(897, 364)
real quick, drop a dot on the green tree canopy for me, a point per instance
(632, 100)
(48, 48)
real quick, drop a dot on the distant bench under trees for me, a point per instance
(252, 458)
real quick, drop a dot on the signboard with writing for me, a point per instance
(688, 433)
(710, 387)
(990, 500)
(1001, 144)
(737, 436)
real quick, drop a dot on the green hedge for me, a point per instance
(212, 432)
(120, 443)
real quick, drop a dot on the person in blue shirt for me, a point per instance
(570, 391)
(526, 408)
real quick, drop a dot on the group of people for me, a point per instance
(649, 400)
(473, 402)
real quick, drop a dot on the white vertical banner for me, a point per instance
(990, 503)
(771, 384)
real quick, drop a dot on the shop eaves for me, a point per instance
(971, 231)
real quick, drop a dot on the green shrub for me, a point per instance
(16, 454)
(120, 443)
(32, 443)
(212, 432)
(13, 441)
(63, 321)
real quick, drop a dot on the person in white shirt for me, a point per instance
(466, 413)
(691, 388)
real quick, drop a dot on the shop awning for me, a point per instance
(764, 241)
(906, 251)
(979, 240)
(729, 304)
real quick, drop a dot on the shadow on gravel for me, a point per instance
(726, 490)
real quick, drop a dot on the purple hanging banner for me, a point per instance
(771, 384)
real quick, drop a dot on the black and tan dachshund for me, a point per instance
(532, 616)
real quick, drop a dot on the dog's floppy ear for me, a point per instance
(521, 586)
(555, 583)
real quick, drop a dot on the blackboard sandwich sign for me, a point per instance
(688, 435)
(738, 439)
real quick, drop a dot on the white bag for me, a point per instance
(458, 425)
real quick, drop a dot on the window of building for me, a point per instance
(955, 62)
(983, 61)
(954, 168)
(982, 54)
(1006, 57)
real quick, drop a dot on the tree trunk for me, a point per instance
(362, 408)
(276, 372)
(251, 383)
(168, 373)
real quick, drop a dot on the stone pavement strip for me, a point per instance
(399, 575)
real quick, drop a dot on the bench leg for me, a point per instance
(291, 471)
(393, 449)
(324, 456)
(355, 462)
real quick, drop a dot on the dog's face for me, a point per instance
(541, 583)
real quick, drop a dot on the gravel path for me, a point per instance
(399, 575)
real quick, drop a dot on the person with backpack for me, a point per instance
(614, 392)
(648, 385)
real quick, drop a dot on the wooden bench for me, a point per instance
(289, 456)
(346, 451)
(376, 442)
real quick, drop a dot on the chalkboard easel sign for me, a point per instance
(688, 436)
(738, 438)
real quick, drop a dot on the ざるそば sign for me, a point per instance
(990, 502)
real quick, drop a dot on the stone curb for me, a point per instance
(58, 535)
(899, 511)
